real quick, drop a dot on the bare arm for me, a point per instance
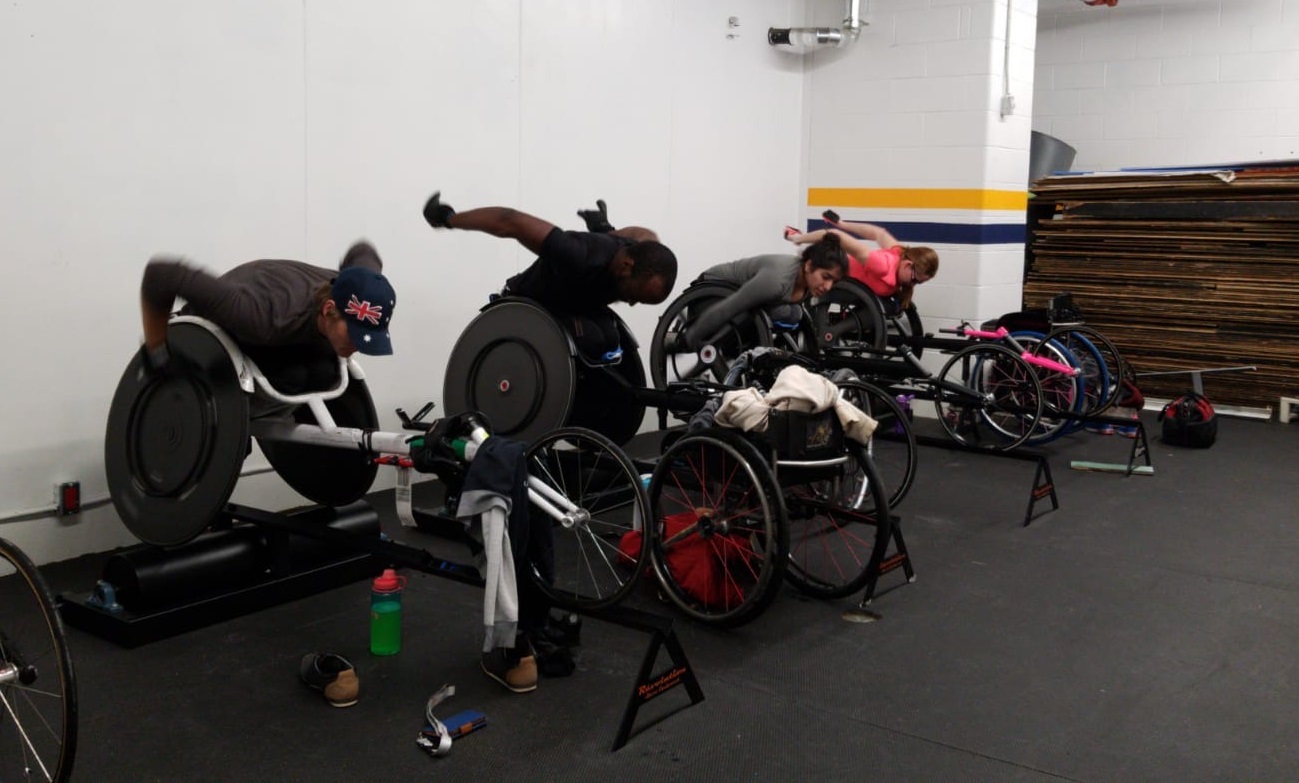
(506, 223)
(869, 231)
(851, 244)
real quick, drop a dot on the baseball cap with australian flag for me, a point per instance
(365, 300)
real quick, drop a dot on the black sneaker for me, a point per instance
(333, 675)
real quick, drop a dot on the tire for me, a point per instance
(719, 541)
(839, 528)
(514, 363)
(1102, 365)
(38, 708)
(892, 447)
(988, 397)
(586, 566)
(850, 314)
(1061, 393)
(175, 442)
(743, 332)
(327, 475)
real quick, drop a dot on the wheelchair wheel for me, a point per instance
(514, 363)
(850, 314)
(38, 691)
(719, 539)
(1061, 393)
(1101, 363)
(598, 551)
(323, 474)
(892, 447)
(905, 327)
(175, 442)
(669, 363)
(988, 397)
(604, 400)
(839, 526)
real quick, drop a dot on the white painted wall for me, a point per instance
(1169, 82)
(916, 104)
(287, 128)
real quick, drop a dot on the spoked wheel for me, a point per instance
(850, 314)
(671, 362)
(839, 526)
(1101, 363)
(38, 692)
(892, 447)
(584, 474)
(514, 362)
(988, 397)
(175, 442)
(324, 474)
(720, 541)
(1061, 392)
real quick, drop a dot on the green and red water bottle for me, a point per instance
(385, 613)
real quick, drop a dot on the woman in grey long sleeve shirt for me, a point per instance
(778, 283)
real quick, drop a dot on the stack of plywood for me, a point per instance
(1182, 270)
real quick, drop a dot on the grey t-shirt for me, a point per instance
(763, 280)
(269, 302)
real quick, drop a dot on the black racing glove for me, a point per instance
(159, 363)
(436, 213)
(597, 220)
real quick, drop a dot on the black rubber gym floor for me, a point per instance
(1146, 630)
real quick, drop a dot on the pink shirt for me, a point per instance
(879, 271)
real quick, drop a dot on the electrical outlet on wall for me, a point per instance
(67, 497)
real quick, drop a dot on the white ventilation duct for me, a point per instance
(806, 39)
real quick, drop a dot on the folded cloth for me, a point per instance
(795, 389)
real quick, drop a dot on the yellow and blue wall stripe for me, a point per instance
(1013, 204)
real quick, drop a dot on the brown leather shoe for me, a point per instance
(333, 675)
(519, 676)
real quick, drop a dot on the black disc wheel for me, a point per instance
(328, 475)
(605, 400)
(176, 441)
(670, 361)
(719, 539)
(849, 315)
(514, 363)
(38, 692)
(588, 495)
(988, 397)
(839, 525)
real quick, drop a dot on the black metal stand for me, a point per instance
(1043, 484)
(880, 564)
(649, 685)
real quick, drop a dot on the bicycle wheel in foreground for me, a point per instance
(38, 695)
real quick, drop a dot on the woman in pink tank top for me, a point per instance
(891, 269)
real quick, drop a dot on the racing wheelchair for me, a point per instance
(508, 355)
(176, 441)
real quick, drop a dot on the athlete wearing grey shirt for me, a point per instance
(285, 314)
(778, 283)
